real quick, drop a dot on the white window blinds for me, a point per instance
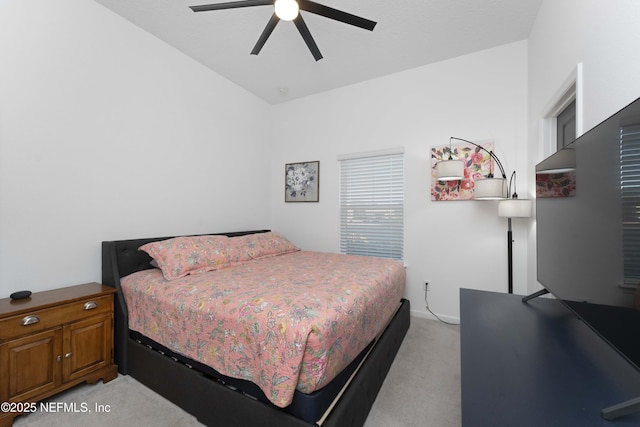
(372, 204)
(630, 192)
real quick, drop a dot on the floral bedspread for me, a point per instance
(288, 322)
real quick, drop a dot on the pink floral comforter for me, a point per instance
(286, 322)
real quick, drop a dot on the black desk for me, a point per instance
(537, 365)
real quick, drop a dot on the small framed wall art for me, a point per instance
(302, 182)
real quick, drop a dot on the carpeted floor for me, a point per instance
(421, 389)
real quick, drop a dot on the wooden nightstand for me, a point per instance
(52, 341)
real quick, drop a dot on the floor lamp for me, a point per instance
(513, 208)
(490, 188)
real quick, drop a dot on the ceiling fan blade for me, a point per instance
(306, 35)
(335, 14)
(265, 34)
(231, 5)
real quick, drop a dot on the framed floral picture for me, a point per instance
(477, 163)
(302, 182)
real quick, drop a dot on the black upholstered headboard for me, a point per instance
(119, 259)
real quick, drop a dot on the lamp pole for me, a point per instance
(509, 232)
(493, 156)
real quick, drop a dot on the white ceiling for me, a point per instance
(409, 33)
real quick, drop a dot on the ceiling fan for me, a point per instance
(288, 10)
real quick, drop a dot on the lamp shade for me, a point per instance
(490, 189)
(515, 208)
(448, 170)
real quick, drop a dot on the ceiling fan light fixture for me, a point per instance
(287, 10)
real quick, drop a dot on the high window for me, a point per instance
(566, 126)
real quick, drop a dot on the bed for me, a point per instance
(328, 377)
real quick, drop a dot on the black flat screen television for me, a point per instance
(588, 229)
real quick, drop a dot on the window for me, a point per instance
(566, 126)
(372, 204)
(630, 193)
(562, 117)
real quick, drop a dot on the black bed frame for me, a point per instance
(211, 402)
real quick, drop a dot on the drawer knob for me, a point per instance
(90, 305)
(30, 320)
(68, 355)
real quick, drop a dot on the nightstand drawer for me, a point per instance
(30, 322)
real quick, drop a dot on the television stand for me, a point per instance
(621, 409)
(537, 364)
(541, 292)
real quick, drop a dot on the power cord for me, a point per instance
(426, 303)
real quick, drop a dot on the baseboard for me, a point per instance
(426, 315)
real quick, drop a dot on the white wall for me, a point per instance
(108, 133)
(480, 97)
(602, 35)
(82, 98)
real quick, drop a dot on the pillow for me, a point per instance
(259, 245)
(180, 256)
